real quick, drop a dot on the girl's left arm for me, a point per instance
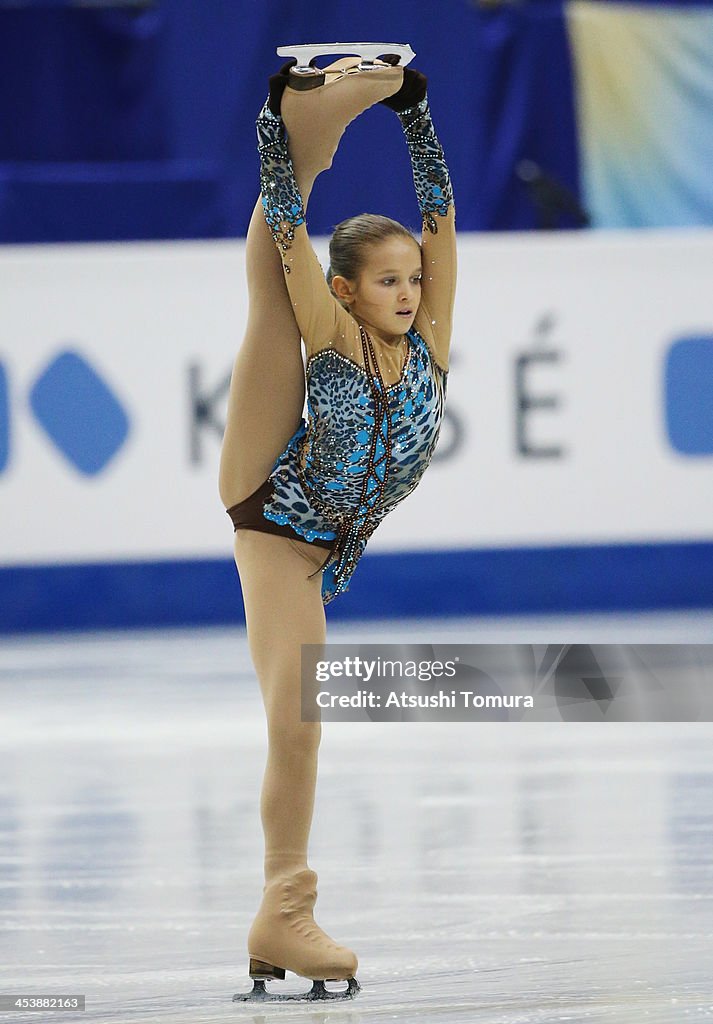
(438, 241)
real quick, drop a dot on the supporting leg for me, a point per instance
(283, 608)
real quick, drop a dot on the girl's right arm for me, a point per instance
(316, 310)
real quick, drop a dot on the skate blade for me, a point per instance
(318, 993)
(303, 53)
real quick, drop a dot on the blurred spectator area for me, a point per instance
(135, 120)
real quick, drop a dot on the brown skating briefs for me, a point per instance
(248, 515)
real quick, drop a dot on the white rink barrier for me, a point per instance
(580, 400)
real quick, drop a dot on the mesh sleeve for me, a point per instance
(430, 172)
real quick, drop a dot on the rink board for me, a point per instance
(386, 586)
(574, 468)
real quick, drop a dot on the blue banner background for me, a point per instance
(126, 125)
(138, 123)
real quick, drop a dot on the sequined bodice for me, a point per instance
(341, 474)
(365, 444)
(341, 421)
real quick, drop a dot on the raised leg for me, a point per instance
(267, 389)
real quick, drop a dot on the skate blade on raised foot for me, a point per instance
(318, 992)
(304, 53)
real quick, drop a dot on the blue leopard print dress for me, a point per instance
(365, 443)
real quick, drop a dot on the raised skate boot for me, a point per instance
(285, 937)
(316, 118)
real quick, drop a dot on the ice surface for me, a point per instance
(499, 873)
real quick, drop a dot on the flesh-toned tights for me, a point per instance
(283, 605)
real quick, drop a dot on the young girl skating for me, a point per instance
(305, 496)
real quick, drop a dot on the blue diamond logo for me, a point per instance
(689, 395)
(79, 413)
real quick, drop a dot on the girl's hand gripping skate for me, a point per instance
(411, 92)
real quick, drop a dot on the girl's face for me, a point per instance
(387, 291)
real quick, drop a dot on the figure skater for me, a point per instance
(305, 497)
